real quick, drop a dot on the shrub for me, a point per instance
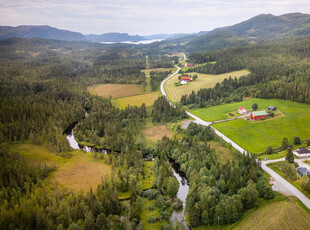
(296, 140)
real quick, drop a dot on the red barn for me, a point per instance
(258, 115)
(189, 64)
(185, 78)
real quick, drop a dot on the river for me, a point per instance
(176, 216)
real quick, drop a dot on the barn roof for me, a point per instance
(259, 113)
(185, 78)
(302, 150)
(240, 108)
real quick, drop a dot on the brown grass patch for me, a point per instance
(115, 90)
(137, 100)
(156, 133)
(82, 175)
(223, 153)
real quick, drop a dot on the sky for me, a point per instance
(143, 17)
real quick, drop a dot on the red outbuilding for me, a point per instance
(258, 115)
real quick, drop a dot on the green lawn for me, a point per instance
(256, 136)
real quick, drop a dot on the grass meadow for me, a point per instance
(115, 90)
(203, 81)
(256, 136)
(81, 172)
(137, 100)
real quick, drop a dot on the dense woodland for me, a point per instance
(278, 70)
(216, 189)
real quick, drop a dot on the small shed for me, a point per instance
(272, 108)
(303, 171)
(258, 115)
(189, 64)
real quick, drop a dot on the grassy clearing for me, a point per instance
(150, 175)
(277, 216)
(203, 81)
(256, 136)
(115, 90)
(147, 213)
(223, 153)
(297, 183)
(273, 156)
(81, 172)
(157, 132)
(148, 99)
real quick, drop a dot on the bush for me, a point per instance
(151, 194)
(231, 114)
(255, 106)
(296, 140)
(269, 150)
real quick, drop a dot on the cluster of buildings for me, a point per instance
(185, 79)
(256, 115)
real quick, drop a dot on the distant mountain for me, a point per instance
(258, 29)
(114, 37)
(165, 36)
(46, 32)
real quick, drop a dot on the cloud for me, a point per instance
(140, 16)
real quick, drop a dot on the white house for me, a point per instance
(183, 82)
(302, 152)
(242, 110)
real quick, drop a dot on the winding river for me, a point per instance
(177, 216)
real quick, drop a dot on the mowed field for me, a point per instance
(277, 216)
(157, 132)
(115, 90)
(256, 136)
(203, 81)
(137, 100)
(81, 172)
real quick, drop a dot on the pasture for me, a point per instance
(81, 172)
(115, 90)
(256, 136)
(203, 81)
(137, 100)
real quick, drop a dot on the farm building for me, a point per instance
(258, 115)
(272, 108)
(189, 64)
(242, 110)
(303, 171)
(184, 80)
(302, 152)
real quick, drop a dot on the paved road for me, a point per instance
(278, 179)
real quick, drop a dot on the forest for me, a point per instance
(278, 70)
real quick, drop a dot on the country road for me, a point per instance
(278, 179)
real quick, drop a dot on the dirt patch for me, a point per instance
(186, 123)
(156, 133)
(82, 176)
(115, 90)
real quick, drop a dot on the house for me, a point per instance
(242, 110)
(189, 64)
(186, 78)
(258, 115)
(302, 152)
(183, 82)
(303, 171)
(272, 108)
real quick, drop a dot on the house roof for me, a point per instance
(271, 107)
(240, 108)
(259, 113)
(302, 150)
(303, 171)
(185, 78)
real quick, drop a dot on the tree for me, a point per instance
(255, 106)
(296, 140)
(195, 77)
(269, 150)
(284, 143)
(289, 156)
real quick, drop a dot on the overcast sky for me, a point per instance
(143, 17)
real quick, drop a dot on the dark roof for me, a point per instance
(303, 171)
(271, 108)
(302, 150)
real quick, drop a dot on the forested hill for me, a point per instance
(114, 37)
(279, 69)
(258, 29)
(46, 32)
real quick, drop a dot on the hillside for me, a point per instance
(46, 32)
(114, 37)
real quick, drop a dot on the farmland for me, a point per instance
(115, 90)
(147, 71)
(256, 136)
(80, 172)
(137, 100)
(203, 81)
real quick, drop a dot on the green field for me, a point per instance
(203, 81)
(256, 136)
(137, 100)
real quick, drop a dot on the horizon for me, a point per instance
(141, 17)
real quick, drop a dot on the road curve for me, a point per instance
(280, 180)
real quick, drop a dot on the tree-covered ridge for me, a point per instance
(108, 126)
(164, 112)
(157, 77)
(224, 190)
(278, 70)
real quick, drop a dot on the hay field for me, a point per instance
(157, 132)
(137, 100)
(115, 90)
(277, 216)
(203, 81)
(147, 71)
(81, 172)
